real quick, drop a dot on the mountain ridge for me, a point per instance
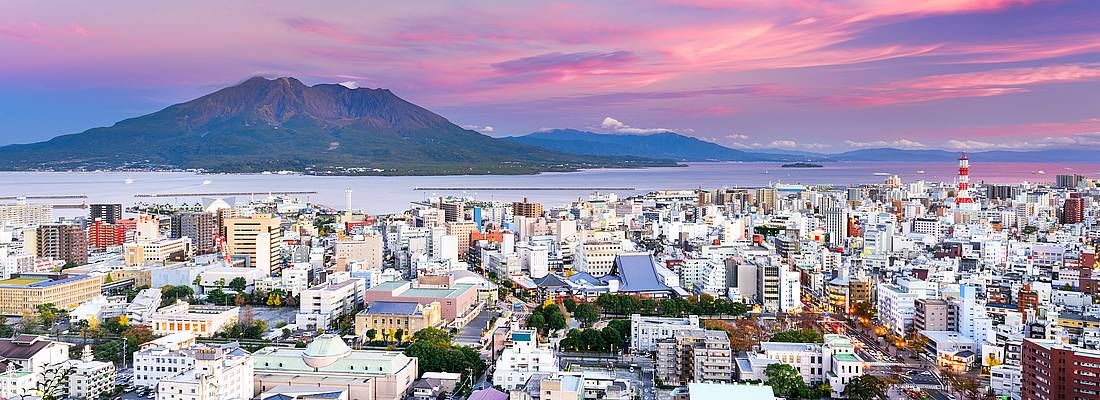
(282, 124)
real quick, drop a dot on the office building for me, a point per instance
(157, 252)
(645, 331)
(202, 320)
(458, 301)
(24, 292)
(386, 318)
(103, 235)
(321, 305)
(258, 238)
(934, 315)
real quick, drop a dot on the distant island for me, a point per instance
(802, 165)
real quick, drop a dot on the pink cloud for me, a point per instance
(995, 82)
(327, 30)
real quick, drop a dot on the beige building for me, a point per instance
(202, 320)
(329, 362)
(695, 356)
(259, 238)
(25, 214)
(25, 292)
(386, 317)
(597, 254)
(158, 252)
(462, 231)
(367, 251)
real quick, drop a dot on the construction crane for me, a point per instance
(220, 241)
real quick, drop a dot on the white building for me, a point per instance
(89, 378)
(834, 361)
(597, 256)
(897, 306)
(201, 320)
(217, 374)
(322, 304)
(162, 358)
(140, 311)
(522, 358)
(534, 258)
(646, 331)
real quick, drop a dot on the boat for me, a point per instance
(882, 174)
(920, 171)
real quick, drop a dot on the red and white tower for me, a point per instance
(963, 197)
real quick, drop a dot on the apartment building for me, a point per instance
(522, 358)
(1053, 370)
(216, 373)
(323, 304)
(366, 251)
(694, 356)
(65, 242)
(201, 227)
(22, 214)
(934, 315)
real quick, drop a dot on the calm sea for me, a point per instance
(393, 194)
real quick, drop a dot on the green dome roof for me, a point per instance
(325, 350)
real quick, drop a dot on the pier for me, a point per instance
(511, 189)
(225, 194)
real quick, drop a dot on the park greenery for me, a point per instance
(546, 318)
(798, 336)
(436, 352)
(611, 339)
(623, 304)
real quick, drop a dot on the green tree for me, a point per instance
(371, 334)
(785, 380)
(570, 304)
(220, 282)
(238, 284)
(49, 314)
(536, 321)
(798, 336)
(587, 314)
(866, 387)
(556, 322)
(398, 335)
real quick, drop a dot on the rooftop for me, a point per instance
(723, 391)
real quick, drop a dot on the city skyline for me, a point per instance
(745, 74)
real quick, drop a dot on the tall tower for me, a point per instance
(963, 197)
(347, 199)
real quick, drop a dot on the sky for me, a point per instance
(826, 76)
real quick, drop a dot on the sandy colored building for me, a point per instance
(386, 317)
(25, 292)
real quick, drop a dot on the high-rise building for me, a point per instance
(462, 231)
(108, 213)
(102, 235)
(836, 225)
(1068, 181)
(1073, 210)
(23, 214)
(525, 209)
(200, 227)
(1054, 370)
(259, 238)
(62, 242)
(694, 355)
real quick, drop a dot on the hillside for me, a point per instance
(663, 145)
